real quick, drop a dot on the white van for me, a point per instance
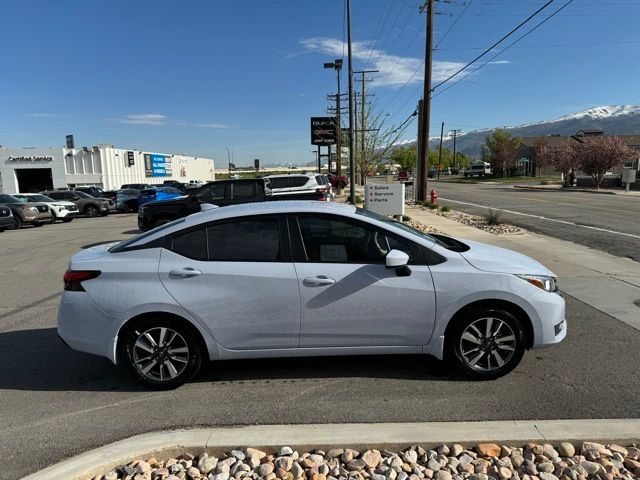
(480, 169)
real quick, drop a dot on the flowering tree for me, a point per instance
(563, 157)
(600, 154)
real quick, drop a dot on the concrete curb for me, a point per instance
(583, 190)
(355, 435)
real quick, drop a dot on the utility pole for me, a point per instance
(355, 133)
(455, 135)
(228, 157)
(417, 182)
(440, 154)
(426, 95)
(352, 167)
(337, 66)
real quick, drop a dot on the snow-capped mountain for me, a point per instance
(612, 119)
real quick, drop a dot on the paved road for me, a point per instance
(55, 402)
(617, 214)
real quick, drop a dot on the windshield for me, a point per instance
(22, 198)
(9, 199)
(82, 194)
(122, 245)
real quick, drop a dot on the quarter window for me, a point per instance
(192, 244)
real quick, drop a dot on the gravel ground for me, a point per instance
(588, 461)
(476, 222)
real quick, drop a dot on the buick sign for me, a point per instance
(323, 130)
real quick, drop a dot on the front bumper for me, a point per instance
(551, 325)
(6, 222)
(65, 213)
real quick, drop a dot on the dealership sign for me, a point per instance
(385, 199)
(157, 165)
(32, 159)
(323, 130)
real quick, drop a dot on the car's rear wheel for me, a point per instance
(487, 343)
(91, 211)
(161, 353)
(129, 208)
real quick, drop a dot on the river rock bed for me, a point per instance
(486, 461)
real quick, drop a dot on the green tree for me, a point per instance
(406, 157)
(502, 149)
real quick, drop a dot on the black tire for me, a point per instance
(493, 350)
(17, 222)
(129, 208)
(91, 211)
(67, 219)
(131, 355)
(38, 224)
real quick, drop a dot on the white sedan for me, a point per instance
(296, 278)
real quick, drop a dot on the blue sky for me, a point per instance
(202, 75)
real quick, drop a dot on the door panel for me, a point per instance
(245, 305)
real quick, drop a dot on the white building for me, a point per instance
(35, 169)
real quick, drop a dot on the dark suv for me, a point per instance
(221, 193)
(90, 206)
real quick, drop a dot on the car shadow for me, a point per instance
(37, 360)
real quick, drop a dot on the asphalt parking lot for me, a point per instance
(55, 402)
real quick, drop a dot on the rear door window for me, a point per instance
(250, 240)
(243, 190)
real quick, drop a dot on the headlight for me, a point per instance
(33, 209)
(544, 282)
(61, 207)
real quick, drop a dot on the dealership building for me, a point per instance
(27, 169)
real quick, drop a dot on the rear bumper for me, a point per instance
(83, 326)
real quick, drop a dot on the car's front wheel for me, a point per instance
(17, 222)
(91, 211)
(161, 353)
(487, 343)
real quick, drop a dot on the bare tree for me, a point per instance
(600, 154)
(379, 140)
(539, 159)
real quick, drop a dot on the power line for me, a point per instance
(504, 37)
(384, 44)
(444, 35)
(387, 55)
(377, 31)
(557, 45)
(508, 46)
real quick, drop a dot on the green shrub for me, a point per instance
(359, 199)
(406, 218)
(445, 208)
(432, 206)
(493, 217)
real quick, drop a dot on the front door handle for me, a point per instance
(319, 280)
(187, 272)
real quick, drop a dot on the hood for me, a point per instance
(168, 201)
(92, 253)
(500, 260)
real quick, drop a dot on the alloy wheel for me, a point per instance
(487, 344)
(160, 353)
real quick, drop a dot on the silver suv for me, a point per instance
(299, 186)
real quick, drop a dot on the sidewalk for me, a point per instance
(608, 283)
(559, 188)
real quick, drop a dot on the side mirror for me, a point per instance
(395, 259)
(398, 260)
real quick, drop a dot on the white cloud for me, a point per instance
(500, 62)
(42, 115)
(157, 119)
(145, 119)
(393, 70)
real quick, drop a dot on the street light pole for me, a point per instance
(228, 157)
(352, 166)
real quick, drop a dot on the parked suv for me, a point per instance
(98, 193)
(298, 186)
(88, 205)
(221, 193)
(36, 214)
(6, 218)
(127, 200)
(60, 209)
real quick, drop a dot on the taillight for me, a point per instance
(73, 278)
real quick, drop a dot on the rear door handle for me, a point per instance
(319, 280)
(187, 272)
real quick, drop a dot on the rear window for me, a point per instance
(289, 182)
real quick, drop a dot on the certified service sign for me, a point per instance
(385, 199)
